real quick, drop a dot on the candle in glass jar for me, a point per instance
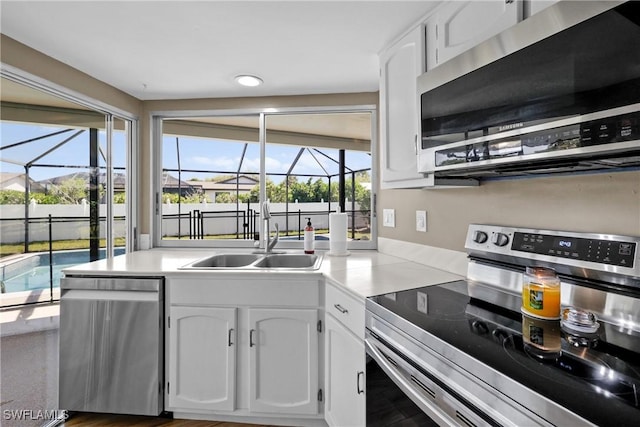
(541, 293)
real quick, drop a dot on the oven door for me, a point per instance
(400, 391)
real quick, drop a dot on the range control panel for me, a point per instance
(612, 252)
(601, 252)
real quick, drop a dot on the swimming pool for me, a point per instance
(32, 272)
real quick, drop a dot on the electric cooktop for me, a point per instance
(595, 374)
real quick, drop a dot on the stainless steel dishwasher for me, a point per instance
(111, 345)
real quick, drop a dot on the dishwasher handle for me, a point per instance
(112, 284)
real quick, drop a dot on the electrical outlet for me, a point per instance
(421, 221)
(388, 217)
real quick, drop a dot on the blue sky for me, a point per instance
(195, 153)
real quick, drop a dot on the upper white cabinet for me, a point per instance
(401, 64)
(459, 25)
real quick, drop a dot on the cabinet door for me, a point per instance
(401, 65)
(344, 376)
(202, 356)
(283, 355)
(459, 25)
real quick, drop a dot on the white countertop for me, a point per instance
(363, 273)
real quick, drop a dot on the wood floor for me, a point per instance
(108, 420)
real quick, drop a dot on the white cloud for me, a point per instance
(223, 163)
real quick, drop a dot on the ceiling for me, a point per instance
(194, 49)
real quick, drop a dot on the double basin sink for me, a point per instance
(278, 261)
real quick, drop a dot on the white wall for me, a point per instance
(12, 224)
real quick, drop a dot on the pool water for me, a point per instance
(32, 272)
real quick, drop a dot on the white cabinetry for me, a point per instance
(284, 361)
(344, 359)
(202, 358)
(401, 64)
(243, 346)
(345, 373)
(459, 25)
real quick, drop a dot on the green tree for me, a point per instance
(45, 199)
(71, 191)
(189, 198)
(119, 198)
(225, 198)
(11, 197)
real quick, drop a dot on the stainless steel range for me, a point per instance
(468, 352)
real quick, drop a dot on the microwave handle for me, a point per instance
(415, 143)
(432, 410)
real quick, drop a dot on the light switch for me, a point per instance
(389, 217)
(421, 221)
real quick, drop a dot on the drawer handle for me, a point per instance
(341, 309)
(358, 382)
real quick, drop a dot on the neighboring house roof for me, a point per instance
(15, 181)
(169, 181)
(119, 179)
(244, 182)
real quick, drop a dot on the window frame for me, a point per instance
(157, 118)
(110, 113)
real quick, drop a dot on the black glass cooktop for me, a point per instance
(596, 375)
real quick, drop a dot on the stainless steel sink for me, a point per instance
(289, 261)
(240, 261)
(226, 261)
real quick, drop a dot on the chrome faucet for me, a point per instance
(269, 244)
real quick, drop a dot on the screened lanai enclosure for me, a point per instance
(217, 169)
(64, 183)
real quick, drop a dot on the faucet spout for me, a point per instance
(271, 243)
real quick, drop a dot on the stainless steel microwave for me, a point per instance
(558, 92)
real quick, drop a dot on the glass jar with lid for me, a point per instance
(541, 293)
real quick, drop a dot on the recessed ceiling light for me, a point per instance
(248, 80)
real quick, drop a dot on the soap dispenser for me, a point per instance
(309, 237)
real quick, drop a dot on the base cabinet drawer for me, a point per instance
(345, 308)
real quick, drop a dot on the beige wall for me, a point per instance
(601, 203)
(18, 55)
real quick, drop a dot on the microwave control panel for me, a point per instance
(625, 127)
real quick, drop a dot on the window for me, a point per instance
(63, 188)
(216, 170)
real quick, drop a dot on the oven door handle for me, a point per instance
(431, 409)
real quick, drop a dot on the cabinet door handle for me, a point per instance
(415, 143)
(358, 382)
(230, 332)
(341, 309)
(251, 344)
